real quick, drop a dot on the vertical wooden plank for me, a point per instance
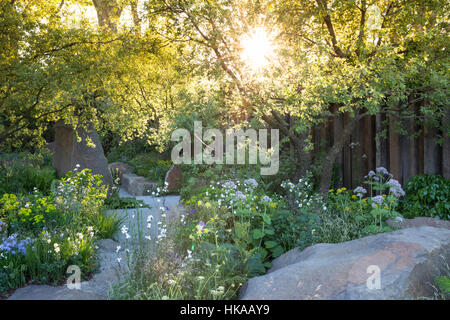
(394, 154)
(337, 132)
(347, 159)
(381, 143)
(432, 152)
(446, 145)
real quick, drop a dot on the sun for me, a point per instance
(257, 49)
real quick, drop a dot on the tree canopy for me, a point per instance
(142, 68)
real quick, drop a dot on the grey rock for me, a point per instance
(69, 152)
(136, 185)
(174, 178)
(408, 260)
(402, 223)
(120, 167)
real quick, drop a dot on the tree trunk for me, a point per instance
(302, 157)
(108, 11)
(328, 162)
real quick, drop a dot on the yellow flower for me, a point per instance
(206, 230)
(354, 197)
(253, 209)
(199, 202)
(386, 207)
(347, 208)
(331, 190)
(338, 190)
(273, 205)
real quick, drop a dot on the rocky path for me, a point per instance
(111, 270)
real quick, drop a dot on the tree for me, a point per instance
(55, 65)
(354, 57)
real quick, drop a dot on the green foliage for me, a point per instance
(150, 167)
(351, 215)
(427, 195)
(23, 173)
(444, 285)
(124, 203)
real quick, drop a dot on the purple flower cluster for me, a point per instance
(240, 196)
(251, 182)
(229, 185)
(396, 188)
(382, 170)
(377, 200)
(360, 191)
(13, 246)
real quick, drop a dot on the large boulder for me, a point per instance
(174, 178)
(87, 152)
(136, 185)
(402, 223)
(407, 261)
(120, 167)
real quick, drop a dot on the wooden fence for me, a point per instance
(404, 156)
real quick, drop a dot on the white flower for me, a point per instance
(171, 282)
(119, 259)
(56, 246)
(148, 238)
(201, 278)
(118, 248)
(124, 229)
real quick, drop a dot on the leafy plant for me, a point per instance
(427, 195)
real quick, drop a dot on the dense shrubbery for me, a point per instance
(356, 214)
(233, 228)
(42, 235)
(427, 195)
(22, 173)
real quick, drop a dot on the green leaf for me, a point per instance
(270, 244)
(267, 219)
(277, 251)
(257, 234)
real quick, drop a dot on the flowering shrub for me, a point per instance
(361, 212)
(243, 215)
(27, 213)
(40, 236)
(80, 191)
(297, 226)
